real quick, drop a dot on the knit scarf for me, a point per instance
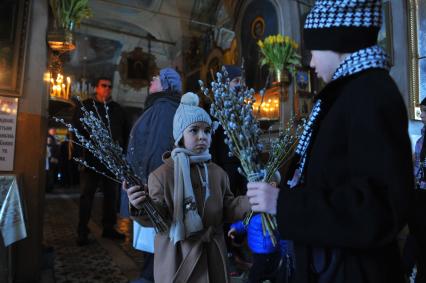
(367, 58)
(186, 220)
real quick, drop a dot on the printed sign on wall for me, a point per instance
(8, 114)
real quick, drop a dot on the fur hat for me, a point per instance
(188, 113)
(233, 71)
(170, 80)
(343, 25)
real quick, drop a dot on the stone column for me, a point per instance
(31, 146)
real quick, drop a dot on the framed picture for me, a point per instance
(258, 28)
(385, 33)
(303, 94)
(137, 68)
(302, 80)
(417, 55)
(305, 106)
(13, 35)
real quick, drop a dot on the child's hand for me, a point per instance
(136, 194)
(231, 233)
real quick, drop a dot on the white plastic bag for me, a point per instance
(143, 238)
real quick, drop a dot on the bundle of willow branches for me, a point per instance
(233, 108)
(99, 142)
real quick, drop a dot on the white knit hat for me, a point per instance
(188, 113)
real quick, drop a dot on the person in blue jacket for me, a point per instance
(150, 137)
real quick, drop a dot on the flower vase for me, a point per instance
(282, 80)
(69, 32)
(282, 76)
(278, 75)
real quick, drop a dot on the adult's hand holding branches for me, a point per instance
(262, 197)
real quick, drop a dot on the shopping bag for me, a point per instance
(143, 238)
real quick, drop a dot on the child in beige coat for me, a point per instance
(195, 193)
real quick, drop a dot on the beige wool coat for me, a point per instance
(201, 258)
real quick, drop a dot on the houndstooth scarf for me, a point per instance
(368, 58)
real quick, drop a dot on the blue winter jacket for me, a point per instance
(257, 242)
(151, 136)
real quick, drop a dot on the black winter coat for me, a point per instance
(345, 218)
(152, 134)
(219, 151)
(150, 137)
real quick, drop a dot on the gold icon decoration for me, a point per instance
(258, 28)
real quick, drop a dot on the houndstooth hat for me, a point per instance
(343, 25)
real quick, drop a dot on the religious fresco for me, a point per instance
(13, 25)
(260, 20)
(137, 68)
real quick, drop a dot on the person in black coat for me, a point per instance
(90, 180)
(237, 183)
(350, 192)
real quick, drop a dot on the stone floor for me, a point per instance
(103, 261)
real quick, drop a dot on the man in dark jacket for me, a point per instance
(151, 136)
(90, 180)
(350, 192)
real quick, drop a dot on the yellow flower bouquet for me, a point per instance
(279, 53)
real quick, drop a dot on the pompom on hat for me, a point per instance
(188, 113)
(170, 80)
(343, 26)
